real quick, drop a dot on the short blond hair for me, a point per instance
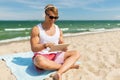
(51, 7)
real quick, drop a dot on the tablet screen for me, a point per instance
(59, 47)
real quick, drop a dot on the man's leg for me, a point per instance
(70, 58)
(46, 64)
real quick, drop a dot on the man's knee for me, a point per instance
(77, 54)
(74, 53)
(39, 61)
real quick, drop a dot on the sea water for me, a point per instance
(19, 30)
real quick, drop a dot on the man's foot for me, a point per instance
(75, 67)
(56, 76)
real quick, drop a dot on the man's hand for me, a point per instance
(49, 45)
(65, 49)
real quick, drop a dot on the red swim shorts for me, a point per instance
(57, 57)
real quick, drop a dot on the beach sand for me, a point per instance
(100, 56)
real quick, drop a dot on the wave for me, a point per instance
(92, 31)
(118, 24)
(15, 39)
(64, 29)
(16, 29)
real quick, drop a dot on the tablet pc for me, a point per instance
(59, 47)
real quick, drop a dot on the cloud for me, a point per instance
(30, 3)
(85, 4)
(91, 5)
(77, 3)
(58, 3)
(8, 15)
(27, 1)
(102, 9)
(117, 17)
(33, 9)
(81, 4)
(102, 6)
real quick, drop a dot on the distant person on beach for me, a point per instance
(45, 35)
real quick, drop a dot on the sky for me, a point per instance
(68, 9)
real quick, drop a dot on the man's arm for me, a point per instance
(61, 41)
(61, 37)
(35, 40)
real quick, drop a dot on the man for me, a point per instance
(45, 35)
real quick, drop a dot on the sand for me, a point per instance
(100, 56)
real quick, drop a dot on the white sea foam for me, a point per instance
(118, 24)
(92, 32)
(82, 29)
(15, 39)
(64, 29)
(96, 30)
(16, 29)
(65, 35)
(108, 24)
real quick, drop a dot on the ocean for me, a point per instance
(19, 30)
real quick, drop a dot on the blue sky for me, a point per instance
(68, 9)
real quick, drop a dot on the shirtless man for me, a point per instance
(45, 35)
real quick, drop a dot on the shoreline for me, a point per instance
(65, 35)
(27, 46)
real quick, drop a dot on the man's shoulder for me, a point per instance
(35, 29)
(36, 26)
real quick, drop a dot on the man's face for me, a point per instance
(51, 17)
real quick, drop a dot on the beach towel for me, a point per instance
(22, 67)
